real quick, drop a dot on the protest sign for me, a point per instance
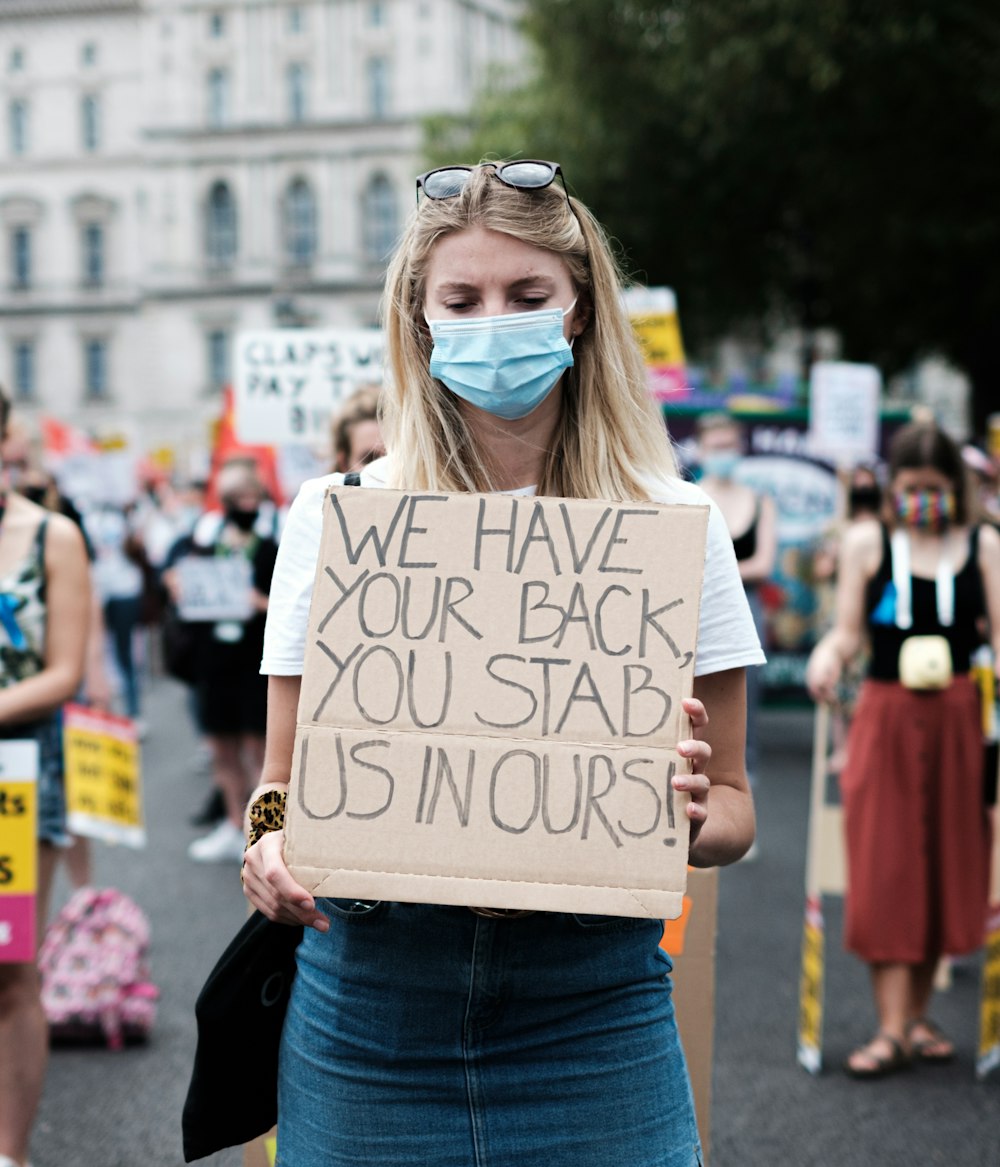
(289, 382)
(988, 1054)
(215, 587)
(103, 776)
(653, 313)
(18, 850)
(844, 409)
(491, 702)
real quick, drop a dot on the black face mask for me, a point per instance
(241, 518)
(864, 498)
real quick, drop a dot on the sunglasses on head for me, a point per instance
(446, 182)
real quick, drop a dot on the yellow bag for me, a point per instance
(925, 662)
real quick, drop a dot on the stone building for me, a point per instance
(174, 171)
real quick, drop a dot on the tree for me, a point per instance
(826, 164)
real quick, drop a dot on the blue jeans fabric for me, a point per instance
(426, 1035)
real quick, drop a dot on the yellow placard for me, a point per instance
(18, 842)
(103, 782)
(811, 991)
(989, 1011)
(659, 336)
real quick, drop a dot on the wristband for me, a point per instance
(266, 813)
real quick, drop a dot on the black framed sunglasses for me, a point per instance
(446, 182)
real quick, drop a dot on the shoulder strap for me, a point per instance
(944, 583)
(352, 478)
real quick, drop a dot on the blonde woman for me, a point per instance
(421, 1034)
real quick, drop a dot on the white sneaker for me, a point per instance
(223, 843)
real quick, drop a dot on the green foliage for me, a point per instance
(831, 162)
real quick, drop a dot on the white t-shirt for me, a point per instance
(727, 638)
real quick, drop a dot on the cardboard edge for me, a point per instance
(460, 892)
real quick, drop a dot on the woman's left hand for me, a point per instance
(697, 783)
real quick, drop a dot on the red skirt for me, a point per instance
(916, 824)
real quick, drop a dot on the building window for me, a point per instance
(218, 359)
(93, 255)
(90, 118)
(95, 369)
(378, 87)
(18, 126)
(218, 98)
(220, 227)
(380, 222)
(24, 370)
(376, 13)
(20, 258)
(300, 224)
(298, 84)
(88, 54)
(216, 25)
(296, 19)
(15, 62)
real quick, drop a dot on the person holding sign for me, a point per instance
(45, 602)
(421, 1033)
(920, 583)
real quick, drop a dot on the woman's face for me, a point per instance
(476, 272)
(914, 479)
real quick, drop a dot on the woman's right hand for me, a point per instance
(268, 885)
(823, 672)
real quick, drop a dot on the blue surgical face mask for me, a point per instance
(721, 463)
(506, 365)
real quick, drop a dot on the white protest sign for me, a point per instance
(844, 406)
(215, 587)
(491, 702)
(289, 382)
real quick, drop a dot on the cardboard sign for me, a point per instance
(103, 776)
(18, 850)
(844, 404)
(215, 587)
(289, 382)
(491, 702)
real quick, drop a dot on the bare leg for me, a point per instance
(230, 776)
(934, 1046)
(892, 985)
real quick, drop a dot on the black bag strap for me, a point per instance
(352, 478)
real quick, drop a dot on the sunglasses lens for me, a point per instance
(528, 175)
(445, 184)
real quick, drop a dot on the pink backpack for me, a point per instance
(95, 973)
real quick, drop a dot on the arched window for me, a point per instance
(300, 224)
(380, 220)
(220, 227)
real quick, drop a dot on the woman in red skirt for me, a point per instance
(922, 585)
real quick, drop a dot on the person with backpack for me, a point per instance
(45, 602)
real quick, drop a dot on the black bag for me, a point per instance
(233, 1094)
(180, 647)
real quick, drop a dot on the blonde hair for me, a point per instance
(611, 442)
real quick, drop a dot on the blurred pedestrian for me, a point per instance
(231, 694)
(44, 606)
(517, 1037)
(357, 438)
(916, 823)
(752, 520)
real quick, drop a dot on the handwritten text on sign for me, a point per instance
(491, 701)
(215, 587)
(289, 382)
(103, 776)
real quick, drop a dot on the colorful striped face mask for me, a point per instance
(924, 510)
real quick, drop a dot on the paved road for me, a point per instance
(105, 1109)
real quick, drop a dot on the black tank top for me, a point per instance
(745, 545)
(963, 635)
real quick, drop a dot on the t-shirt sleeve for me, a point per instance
(727, 638)
(292, 581)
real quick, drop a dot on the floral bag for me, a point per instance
(95, 972)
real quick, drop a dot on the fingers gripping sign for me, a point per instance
(269, 886)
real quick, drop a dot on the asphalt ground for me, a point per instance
(122, 1109)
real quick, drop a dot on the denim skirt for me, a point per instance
(426, 1035)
